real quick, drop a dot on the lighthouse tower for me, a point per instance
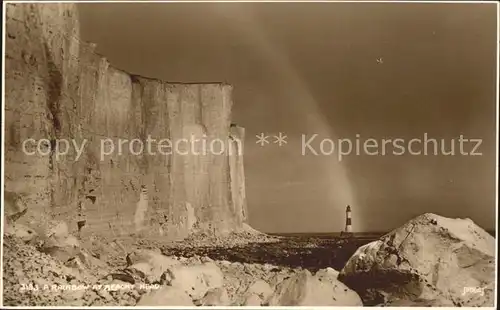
(348, 221)
(347, 232)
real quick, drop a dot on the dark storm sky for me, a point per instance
(305, 68)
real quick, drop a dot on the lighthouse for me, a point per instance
(347, 232)
(348, 221)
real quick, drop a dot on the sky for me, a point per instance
(352, 71)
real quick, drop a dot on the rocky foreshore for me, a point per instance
(253, 269)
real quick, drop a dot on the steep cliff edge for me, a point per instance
(59, 89)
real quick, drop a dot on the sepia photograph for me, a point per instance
(249, 154)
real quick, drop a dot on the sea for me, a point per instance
(335, 235)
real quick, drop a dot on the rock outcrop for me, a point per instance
(90, 124)
(429, 260)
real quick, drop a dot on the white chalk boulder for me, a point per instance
(427, 259)
(260, 288)
(304, 289)
(23, 232)
(256, 294)
(216, 297)
(59, 243)
(150, 264)
(195, 280)
(253, 300)
(166, 296)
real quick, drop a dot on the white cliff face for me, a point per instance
(191, 217)
(237, 173)
(429, 258)
(58, 88)
(141, 210)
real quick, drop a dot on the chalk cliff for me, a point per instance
(57, 87)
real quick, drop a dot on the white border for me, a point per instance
(496, 157)
(4, 6)
(255, 1)
(245, 1)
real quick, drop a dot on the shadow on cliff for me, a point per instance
(311, 254)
